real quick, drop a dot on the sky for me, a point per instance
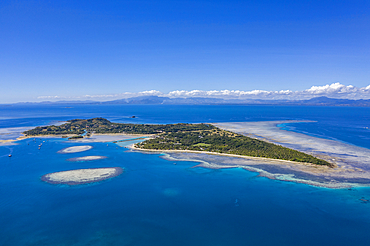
(103, 50)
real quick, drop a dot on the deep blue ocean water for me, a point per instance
(155, 202)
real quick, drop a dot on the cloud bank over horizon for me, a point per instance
(334, 90)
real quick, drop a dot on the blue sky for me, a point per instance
(110, 49)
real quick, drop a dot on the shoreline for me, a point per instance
(99, 137)
(12, 141)
(211, 160)
(228, 155)
(352, 163)
(289, 176)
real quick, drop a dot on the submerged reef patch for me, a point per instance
(82, 176)
(88, 158)
(74, 149)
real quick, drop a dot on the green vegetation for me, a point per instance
(101, 125)
(198, 137)
(202, 145)
(75, 137)
(220, 141)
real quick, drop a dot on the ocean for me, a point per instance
(155, 202)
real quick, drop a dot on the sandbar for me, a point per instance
(74, 149)
(7, 142)
(82, 176)
(11, 134)
(87, 158)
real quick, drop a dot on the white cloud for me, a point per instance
(334, 90)
(49, 97)
(105, 97)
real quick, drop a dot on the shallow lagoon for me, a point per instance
(155, 202)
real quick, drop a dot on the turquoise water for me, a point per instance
(155, 202)
(346, 124)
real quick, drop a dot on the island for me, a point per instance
(104, 126)
(183, 137)
(82, 176)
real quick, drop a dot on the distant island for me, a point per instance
(154, 100)
(182, 137)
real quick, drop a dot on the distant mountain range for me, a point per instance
(317, 101)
